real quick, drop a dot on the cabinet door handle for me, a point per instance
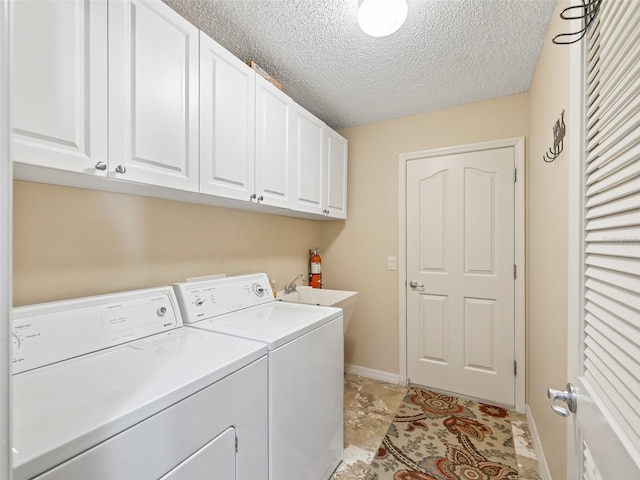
(121, 169)
(101, 166)
(252, 197)
(260, 198)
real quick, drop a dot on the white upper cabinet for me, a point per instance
(336, 176)
(153, 95)
(310, 161)
(274, 168)
(133, 97)
(59, 85)
(227, 123)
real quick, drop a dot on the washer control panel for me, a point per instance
(51, 332)
(205, 299)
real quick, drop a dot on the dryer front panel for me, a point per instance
(167, 442)
(218, 456)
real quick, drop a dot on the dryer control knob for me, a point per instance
(162, 311)
(199, 302)
(258, 289)
(16, 341)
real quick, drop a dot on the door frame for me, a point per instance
(6, 236)
(575, 257)
(519, 225)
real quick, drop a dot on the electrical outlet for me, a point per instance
(391, 263)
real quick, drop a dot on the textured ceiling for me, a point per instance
(449, 52)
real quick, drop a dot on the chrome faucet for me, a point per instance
(291, 286)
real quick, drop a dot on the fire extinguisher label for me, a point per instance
(315, 268)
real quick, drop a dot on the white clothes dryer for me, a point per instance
(306, 379)
(114, 388)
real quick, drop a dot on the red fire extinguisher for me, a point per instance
(315, 269)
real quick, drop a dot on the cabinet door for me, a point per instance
(309, 160)
(59, 84)
(336, 176)
(227, 123)
(274, 166)
(153, 95)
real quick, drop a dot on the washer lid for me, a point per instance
(274, 323)
(63, 409)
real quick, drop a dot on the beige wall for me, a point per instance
(355, 253)
(71, 242)
(547, 222)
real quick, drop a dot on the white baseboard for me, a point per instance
(542, 461)
(371, 373)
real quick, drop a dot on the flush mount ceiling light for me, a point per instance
(380, 18)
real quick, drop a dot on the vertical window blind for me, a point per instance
(612, 213)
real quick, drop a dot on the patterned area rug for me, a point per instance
(440, 437)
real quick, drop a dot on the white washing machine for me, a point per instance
(114, 387)
(305, 367)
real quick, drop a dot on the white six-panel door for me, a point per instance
(153, 95)
(460, 273)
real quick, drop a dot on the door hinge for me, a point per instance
(515, 368)
(515, 271)
(515, 175)
(236, 444)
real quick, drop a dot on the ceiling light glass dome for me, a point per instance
(380, 18)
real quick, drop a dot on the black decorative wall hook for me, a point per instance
(559, 130)
(586, 12)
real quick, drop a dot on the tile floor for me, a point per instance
(369, 407)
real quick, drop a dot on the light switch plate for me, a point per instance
(391, 263)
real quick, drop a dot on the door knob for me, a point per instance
(568, 396)
(414, 284)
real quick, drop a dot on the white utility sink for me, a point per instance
(344, 299)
